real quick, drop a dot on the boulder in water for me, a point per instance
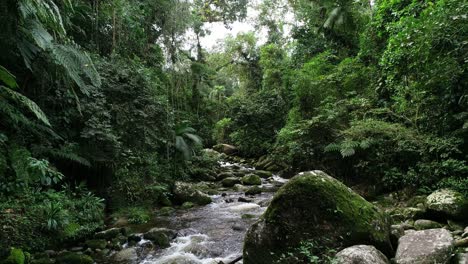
(449, 203)
(251, 179)
(186, 192)
(263, 174)
(125, 256)
(425, 247)
(253, 190)
(361, 254)
(230, 181)
(160, 236)
(315, 206)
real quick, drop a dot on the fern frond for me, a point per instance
(7, 78)
(26, 102)
(332, 147)
(62, 153)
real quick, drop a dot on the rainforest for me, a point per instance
(233, 131)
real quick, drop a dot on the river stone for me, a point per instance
(253, 190)
(448, 203)
(225, 148)
(251, 179)
(422, 224)
(263, 174)
(96, 243)
(463, 242)
(160, 236)
(224, 175)
(361, 254)
(425, 247)
(186, 192)
(230, 182)
(315, 206)
(125, 256)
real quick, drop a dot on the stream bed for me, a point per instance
(213, 233)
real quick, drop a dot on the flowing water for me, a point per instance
(213, 233)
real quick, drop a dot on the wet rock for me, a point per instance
(244, 200)
(134, 237)
(263, 174)
(73, 258)
(230, 182)
(361, 254)
(253, 191)
(109, 233)
(226, 149)
(230, 200)
(450, 203)
(407, 213)
(422, 224)
(313, 205)
(452, 225)
(238, 227)
(76, 249)
(186, 192)
(251, 179)
(125, 256)
(160, 236)
(96, 243)
(240, 188)
(225, 175)
(425, 247)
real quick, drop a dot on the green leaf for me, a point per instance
(7, 78)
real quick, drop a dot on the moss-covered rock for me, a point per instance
(160, 236)
(109, 233)
(230, 182)
(187, 192)
(251, 179)
(42, 261)
(187, 205)
(253, 190)
(263, 174)
(16, 257)
(448, 203)
(315, 206)
(73, 258)
(96, 243)
(422, 224)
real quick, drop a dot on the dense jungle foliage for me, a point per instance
(104, 104)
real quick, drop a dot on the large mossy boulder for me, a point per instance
(187, 192)
(315, 206)
(448, 203)
(230, 182)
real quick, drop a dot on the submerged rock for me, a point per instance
(425, 247)
(315, 206)
(361, 254)
(186, 192)
(446, 202)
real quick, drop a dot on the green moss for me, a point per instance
(187, 205)
(96, 244)
(17, 256)
(251, 179)
(253, 190)
(316, 206)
